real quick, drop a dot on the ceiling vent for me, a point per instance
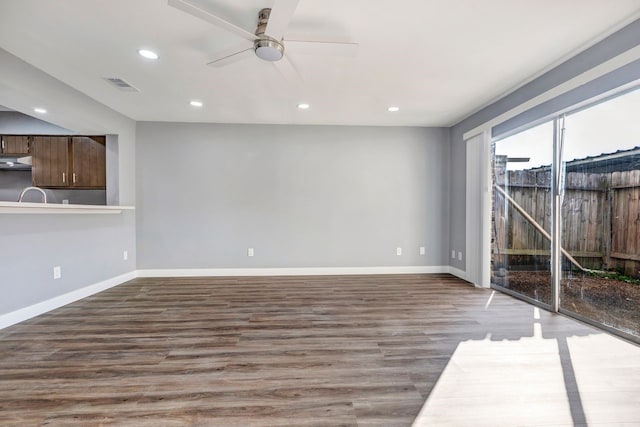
(121, 84)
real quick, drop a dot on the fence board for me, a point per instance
(600, 215)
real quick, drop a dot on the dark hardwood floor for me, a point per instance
(321, 351)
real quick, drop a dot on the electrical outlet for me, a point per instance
(422, 250)
(249, 251)
(459, 256)
(398, 251)
(57, 273)
(125, 255)
(453, 254)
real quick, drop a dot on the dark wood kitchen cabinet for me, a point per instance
(88, 162)
(50, 161)
(69, 162)
(15, 145)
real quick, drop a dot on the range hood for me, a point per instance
(16, 163)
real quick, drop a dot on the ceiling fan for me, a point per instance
(267, 41)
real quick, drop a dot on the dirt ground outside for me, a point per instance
(612, 302)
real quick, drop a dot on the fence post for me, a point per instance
(606, 221)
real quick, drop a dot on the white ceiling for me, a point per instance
(438, 60)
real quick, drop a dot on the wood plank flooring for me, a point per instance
(312, 351)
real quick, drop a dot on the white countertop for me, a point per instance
(54, 208)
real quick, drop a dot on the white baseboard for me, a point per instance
(302, 271)
(25, 313)
(461, 274)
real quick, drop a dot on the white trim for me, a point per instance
(25, 313)
(300, 271)
(460, 274)
(571, 109)
(478, 210)
(598, 71)
(54, 208)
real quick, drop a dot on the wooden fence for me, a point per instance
(600, 219)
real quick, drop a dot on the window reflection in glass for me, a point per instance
(521, 217)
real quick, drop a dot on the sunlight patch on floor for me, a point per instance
(517, 382)
(486, 306)
(548, 379)
(608, 377)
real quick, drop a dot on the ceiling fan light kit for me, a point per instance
(268, 49)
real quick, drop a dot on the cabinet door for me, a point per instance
(15, 144)
(50, 161)
(89, 158)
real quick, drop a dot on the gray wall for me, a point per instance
(113, 170)
(13, 182)
(621, 41)
(22, 86)
(302, 196)
(13, 122)
(87, 247)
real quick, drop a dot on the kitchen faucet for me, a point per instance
(44, 195)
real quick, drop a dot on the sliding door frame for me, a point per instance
(556, 206)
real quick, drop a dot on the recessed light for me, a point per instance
(40, 110)
(303, 106)
(393, 109)
(146, 53)
(196, 104)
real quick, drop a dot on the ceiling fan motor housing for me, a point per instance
(265, 47)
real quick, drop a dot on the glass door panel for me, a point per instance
(521, 217)
(600, 228)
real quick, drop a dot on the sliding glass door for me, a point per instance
(583, 257)
(601, 214)
(521, 217)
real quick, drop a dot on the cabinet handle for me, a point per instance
(2, 144)
(74, 177)
(64, 178)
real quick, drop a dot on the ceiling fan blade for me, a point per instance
(310, 47)
(288, 70)
(198, 12)
(280, 16)
(230, 56)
